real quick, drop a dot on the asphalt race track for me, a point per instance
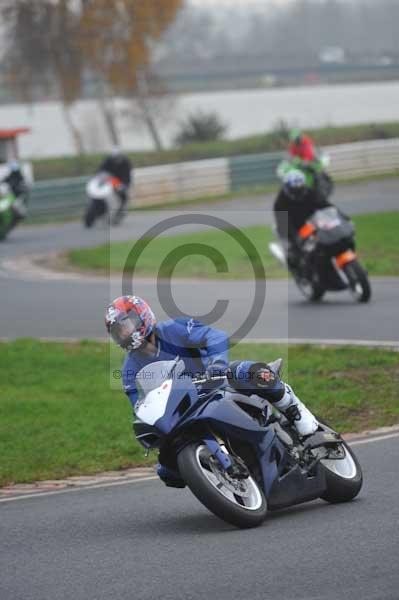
(141, 540)
(42, 304)
(145, 541)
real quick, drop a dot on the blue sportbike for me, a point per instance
(236, 455)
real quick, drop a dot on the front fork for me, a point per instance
(340, 262)
(237, 469)
(217, 448)
(345, 258)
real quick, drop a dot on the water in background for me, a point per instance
(245, 111)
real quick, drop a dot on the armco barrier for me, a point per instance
(168, 183)
(253, 170)
(364, 158)
(152, 185)
(60, 197)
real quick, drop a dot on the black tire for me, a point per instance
(358, 276)
(327, 184)
(313, 291)
(90, 215)
(5, 231)
(213, 499)
(341, 489)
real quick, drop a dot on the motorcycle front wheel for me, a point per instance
(359, 284)
(95, 208)
(4, 229)
(90, 215)
(240, 502)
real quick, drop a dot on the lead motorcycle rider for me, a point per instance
(132, 325)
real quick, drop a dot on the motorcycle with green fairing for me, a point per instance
(325, 256)
(13, 209)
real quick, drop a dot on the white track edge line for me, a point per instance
(379, 438)
(79, 488)
(153, 478)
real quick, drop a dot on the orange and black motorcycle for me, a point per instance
(325, 258)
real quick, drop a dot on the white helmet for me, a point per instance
(14, 166)
(294, 183)
(116, 151)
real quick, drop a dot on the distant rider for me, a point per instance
(303, 154)
(119, 165)
(294, 205)
(301, 146)
(16, 181)
(132, 325)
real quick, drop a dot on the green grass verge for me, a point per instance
(376, 240)
(56, 168)
(59, 417)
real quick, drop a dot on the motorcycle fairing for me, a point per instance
(224, 416)
(185, 412)
(281, 489)
(183, 396)
(296, 487)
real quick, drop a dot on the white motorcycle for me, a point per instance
(103, 199)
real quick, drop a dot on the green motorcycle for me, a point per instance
(12, 210)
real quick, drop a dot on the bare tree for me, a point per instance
(106, 104)
(42, 53)
(116, 40)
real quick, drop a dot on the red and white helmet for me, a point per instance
(129, 320)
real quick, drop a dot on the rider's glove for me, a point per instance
(265, 378)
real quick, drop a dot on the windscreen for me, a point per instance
(327, 218)
(153, 375)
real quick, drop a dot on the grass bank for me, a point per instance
(56, 168)
(59, 417)
(376, 239)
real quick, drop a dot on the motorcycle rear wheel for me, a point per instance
(240, 502)
(311, 290)
(343, 475)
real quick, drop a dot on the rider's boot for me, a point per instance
(169, 477)
(296, 412)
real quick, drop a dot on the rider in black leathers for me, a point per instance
(16, 180)
(298, 211)
(119, 165)
(18, 186)
(294, 205)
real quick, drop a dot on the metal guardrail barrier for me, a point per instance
(59, 197)
(168, 183)
(253, 170)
